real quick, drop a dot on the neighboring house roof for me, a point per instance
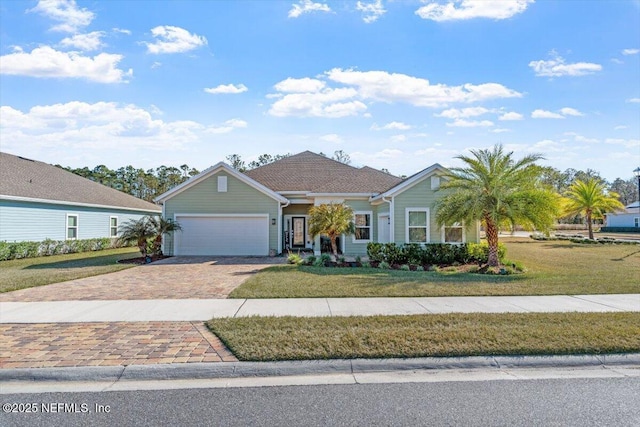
(313, 173)
(31, 180)
(213, 170)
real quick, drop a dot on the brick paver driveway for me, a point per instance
(171, 278)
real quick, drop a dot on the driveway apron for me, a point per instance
(170, 278)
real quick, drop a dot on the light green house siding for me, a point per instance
(420, 195)
(240, 198)
(360, 248)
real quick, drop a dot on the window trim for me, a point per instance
(406, 224)
(111, 227)
(370, 226)
(464, 233)
(67, 227)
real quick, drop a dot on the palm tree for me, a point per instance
(590, 198)
(496, 189)
(138, 231)
(161, 226)
(332, 220)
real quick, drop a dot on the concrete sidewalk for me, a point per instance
(200, 310)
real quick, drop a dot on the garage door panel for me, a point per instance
(223, 235)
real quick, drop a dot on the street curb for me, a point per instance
(185, 371)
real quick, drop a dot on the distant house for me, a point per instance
(39, 201)
(629, 218)
(265, 210)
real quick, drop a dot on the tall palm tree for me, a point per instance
(590, 198)
(161, 226)
(138, 231)
(331, 219)
(496, 189)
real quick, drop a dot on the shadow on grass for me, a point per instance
(376, 277)
(82, 262)
(626, 256)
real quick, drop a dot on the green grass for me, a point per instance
(291, 338)
(30, 272)
(553, 268)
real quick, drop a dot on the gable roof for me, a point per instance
(313, 173)
(412, 180)
(31, 180)
(212, 171)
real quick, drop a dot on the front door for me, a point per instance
(384, 229)
(298, 230)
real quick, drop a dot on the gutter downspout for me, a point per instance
(280, 207)
(392, 217)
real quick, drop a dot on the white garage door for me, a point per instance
(222, 235)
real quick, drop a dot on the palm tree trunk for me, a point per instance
(492, 240)
(334, 247)
(590, 225)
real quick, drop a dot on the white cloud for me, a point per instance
(392, 126)
(121, 31)
(628, 143)
(230, 88)
(398, 138)
(66, 12)
(46, 62)
(371, 11)
(500, 130)
(171, 39)
(454, 113)
(308, 97)
(332, 103)
(511, 116)
(104, 126)
(620, 127)
(617, 61)
(634, 100)
(303, 85)
(556, 67)
(630, 51)
(84, 42)
(460, 123)
(332, 137)
(566, 111)
(543, 114)
(155, 65)
(579, 138)
(307, 6)
(227, 126)
(470, 9)
(395, 87)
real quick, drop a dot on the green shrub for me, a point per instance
(374, 251)
(48, 247)
(294, 259)
(405, 267)
(479, 252)
(384, 265)
(324, 259)
(311, 260)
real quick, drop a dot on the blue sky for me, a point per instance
(395, 84)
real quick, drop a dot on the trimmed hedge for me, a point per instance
(430, 254)
(18, 250)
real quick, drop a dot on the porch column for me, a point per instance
(316, 246)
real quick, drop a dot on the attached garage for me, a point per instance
(223, 234)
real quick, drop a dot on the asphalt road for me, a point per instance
(554, 402)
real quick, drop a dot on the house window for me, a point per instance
(417, 220)
(222, 184)
(362, 221)
(72, 227)
(113, 226)
(636, 222)
(453, 233)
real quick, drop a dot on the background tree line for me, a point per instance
(151, 183)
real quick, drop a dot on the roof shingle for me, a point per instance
(314, 173)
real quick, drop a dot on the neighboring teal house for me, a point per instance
(264, 211)
(39, 201)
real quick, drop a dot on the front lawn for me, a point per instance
(29, 272)
(553, 268)
(295, 338)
